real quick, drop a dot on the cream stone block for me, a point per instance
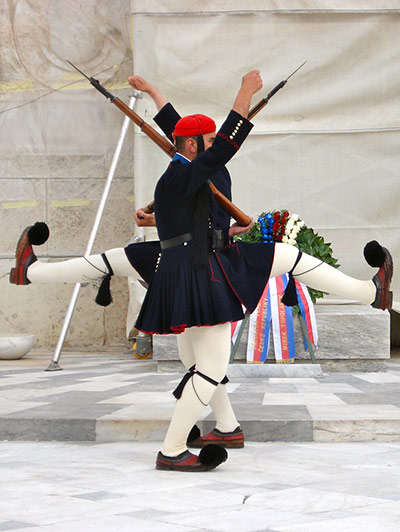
(348, 332)
(90, 33)
(72, 123)
(72, 208)
(22, 202)
(9, 56)
(351, 338)
(381, 430)
(131, 430)
(274, 370)
(52, 166)
(40, 310)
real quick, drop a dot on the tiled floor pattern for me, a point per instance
(265, 487)
(109, 397)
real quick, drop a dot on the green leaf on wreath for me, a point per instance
(307, 241)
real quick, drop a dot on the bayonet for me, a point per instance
(96, 84)
(262, 103)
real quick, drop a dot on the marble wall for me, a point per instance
(55, 155)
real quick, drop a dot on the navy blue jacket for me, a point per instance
(166, 119)
(180, 295)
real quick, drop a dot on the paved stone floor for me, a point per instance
(83, 474)
(111, 397)
(113, 487)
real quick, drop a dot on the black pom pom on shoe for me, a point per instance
(213, 455)
(38, 234)
(374, 254)
(193, 434)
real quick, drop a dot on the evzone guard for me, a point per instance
(198, 278)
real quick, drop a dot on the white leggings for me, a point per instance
(311, 271)
(206, 347)
(321, 276)
(210, 347)
(82, 270)
(221, 406)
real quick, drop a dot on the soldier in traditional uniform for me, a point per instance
(202, 279)
(227, 431)
(201, 282)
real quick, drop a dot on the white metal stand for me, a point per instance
(54, 366)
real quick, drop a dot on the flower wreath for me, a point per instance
(280, 226)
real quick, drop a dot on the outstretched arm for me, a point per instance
(167, 117)
(251, 83)
(141, 84)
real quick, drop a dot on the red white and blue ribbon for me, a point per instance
(272, 312)
(259, 330)
(282, 321)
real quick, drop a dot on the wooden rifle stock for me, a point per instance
(226, 204)
(169, 148)
(161, 141)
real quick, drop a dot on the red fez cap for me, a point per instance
(194, 125)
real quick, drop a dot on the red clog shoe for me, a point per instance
(230, 440)
(209, 458)
(379, 257)
(35, 234)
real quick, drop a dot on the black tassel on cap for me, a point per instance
(104, 297)
(38, 234)
(374, 254)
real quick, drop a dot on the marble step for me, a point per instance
(111, 396)
(351, 338)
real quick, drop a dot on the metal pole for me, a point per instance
(54, 366)
(235, 346)
(307, 337)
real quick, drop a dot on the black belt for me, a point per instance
(176, 241)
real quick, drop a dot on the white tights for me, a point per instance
(320, 276)
(82, 270)
(221, 406)
(210, 347)
(310, 271)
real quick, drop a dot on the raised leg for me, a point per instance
(320, 276)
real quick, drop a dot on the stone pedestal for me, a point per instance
(351, 338)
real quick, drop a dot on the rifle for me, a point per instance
(241, 218)
(222, 200)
